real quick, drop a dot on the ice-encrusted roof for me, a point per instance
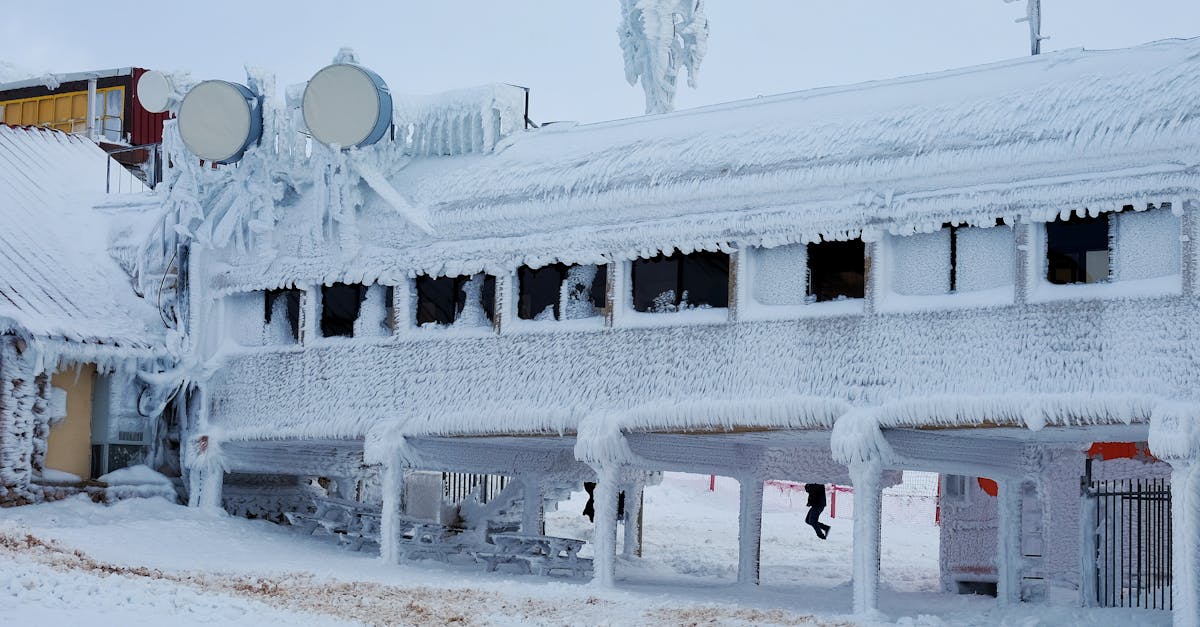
(57, 279)
(1032, 138)
(839, 154)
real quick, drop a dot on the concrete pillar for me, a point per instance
(633, 522)
(604, 563)
(867, 478)
(750, 498)
(1185, 541)
(532, 512)
(390, 530)
(1008, 543)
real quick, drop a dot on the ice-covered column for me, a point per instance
(750, 498)
(1008, 543)
(206, 472)
(532, 512)
(739, 281)
(206, 483)
(617, 292)
(310, 314)
(1175, 439)
(1023, 236)
(604, 564)
(867, 478)
(633, 522)
(390, 530)
(1185, 541)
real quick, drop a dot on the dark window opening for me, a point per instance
(953, 257)
(441, 300)
(836, 270)
(1077, 250)
(539, 291)
(285, 302)
(389, 305)
(982, 588)
(487, 297)
(561, 292)
(340, 304)
(699, 279)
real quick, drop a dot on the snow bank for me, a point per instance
(135, 475)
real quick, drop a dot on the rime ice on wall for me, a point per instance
(780, 274)
(921, 263)
(658, 39)
(985, 258)
(1148, 244)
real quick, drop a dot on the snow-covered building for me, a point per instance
(73, 330)
(988, 273)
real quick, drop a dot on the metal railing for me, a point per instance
(1133, 542)
(125, 178)
(457, 486)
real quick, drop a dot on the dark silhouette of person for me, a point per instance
(816, 505)
(589, 508)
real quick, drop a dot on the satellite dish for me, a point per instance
(155, 91)
(219, 120)
(347, 106)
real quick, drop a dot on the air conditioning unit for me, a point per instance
(120, 435)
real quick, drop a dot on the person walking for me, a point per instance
(816, 505)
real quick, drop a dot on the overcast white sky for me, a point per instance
(567, 50)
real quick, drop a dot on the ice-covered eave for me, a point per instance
(81, 348)
(720, 222)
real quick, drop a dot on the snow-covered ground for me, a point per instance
(148, 562)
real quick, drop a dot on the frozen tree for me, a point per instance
(1033, 15)
(658, 37)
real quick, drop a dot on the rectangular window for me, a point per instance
(470, 300)
(561, 292)
(282, 315)
(1077, 250)
(677, 282)
(340, 304)
(955, 486)
(836, 270)
(539, 291)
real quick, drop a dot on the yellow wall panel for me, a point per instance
(62, 108)
(79, 106)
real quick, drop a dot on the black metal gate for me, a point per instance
(457, 486)
(1133, 542)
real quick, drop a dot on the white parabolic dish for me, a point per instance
(347, 105)
(154, 91)
(216, 121)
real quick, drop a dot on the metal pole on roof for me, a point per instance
(1033, 15)
(91, 108)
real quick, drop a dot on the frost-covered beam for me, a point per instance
(295, 457)
(1008, 544)
(866, 477)
(750, 498)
